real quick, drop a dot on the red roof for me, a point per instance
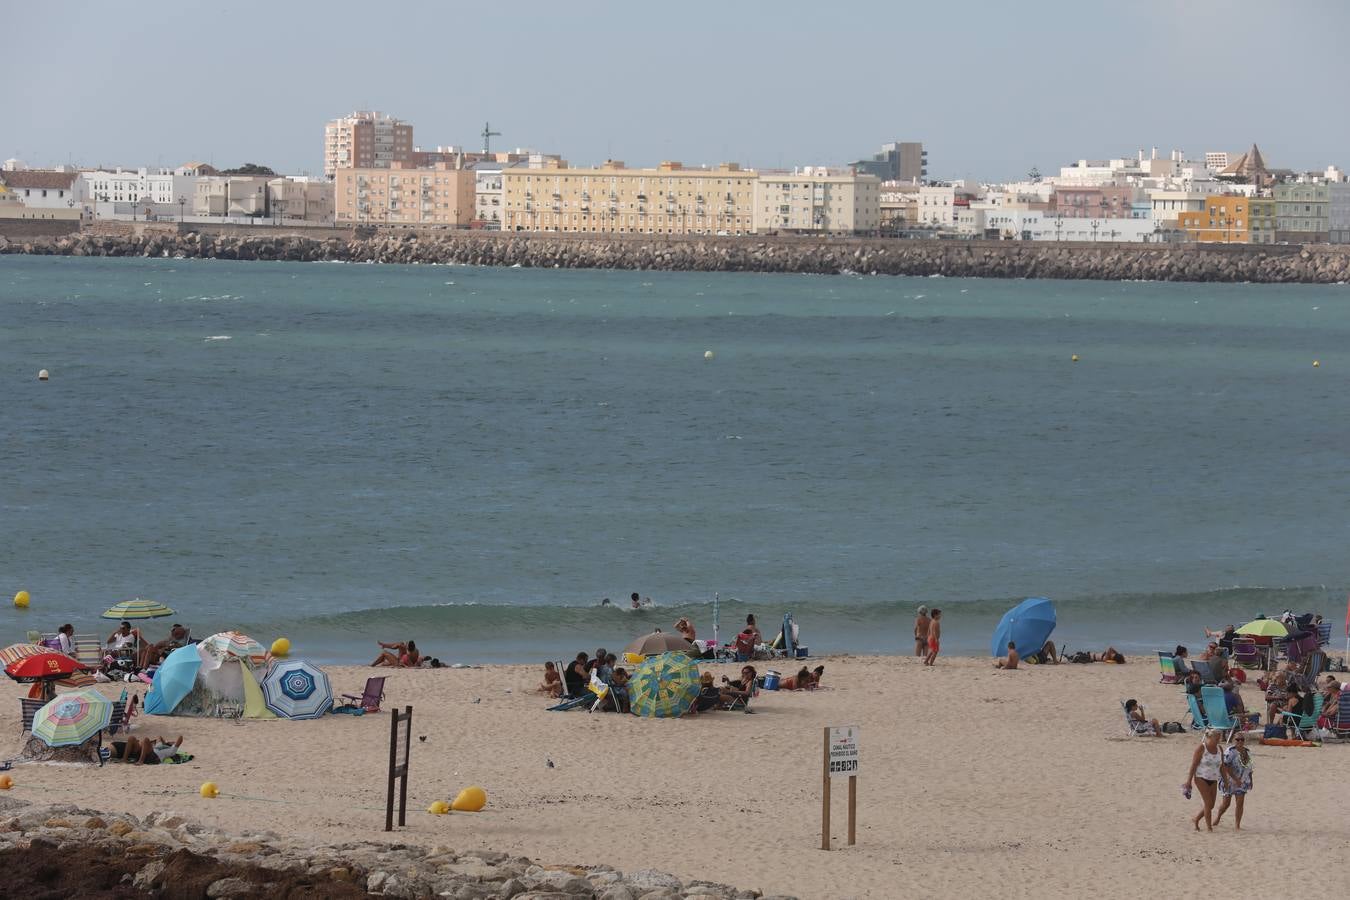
(38, 178)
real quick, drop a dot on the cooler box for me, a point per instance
(770, 681)
(801, 653)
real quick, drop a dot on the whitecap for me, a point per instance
(219, 337)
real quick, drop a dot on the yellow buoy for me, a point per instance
(6, 782)
(42, 375)
(1316, 364)
(281, 648)
(471, 799)
(21, 599)
(439, 808)
(209, 790)
(1074, 358)
(708, 354)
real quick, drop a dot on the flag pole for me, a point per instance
(717, 610)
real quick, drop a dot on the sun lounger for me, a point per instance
(27, 709)
(1168, 666)
(369, 699)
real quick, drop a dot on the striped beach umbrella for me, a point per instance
(664, 686)
(15, 652)
(226, 645)
(73, 718)
(138, 609)
(295, 689)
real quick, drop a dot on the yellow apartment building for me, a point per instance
(669, 199)
(1261, 220)
(1225, 219)
(817, 200)
(440, 195)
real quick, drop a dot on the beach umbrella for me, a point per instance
(1264, 628)
(173, 680)
(295, 689)
(45, 666)
(15, 652)
(1027, 625)
(664, 686)
(658, 642)
(73, 718)
(138, 609)
(228, 645)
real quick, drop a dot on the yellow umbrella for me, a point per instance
(1263, 628)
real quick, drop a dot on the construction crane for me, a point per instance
(487, 136)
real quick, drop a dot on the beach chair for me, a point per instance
(1131, 726)
(1312, 666)
(27, 709)
(88, 650)
(1324, 634)
(1205, 670)
(1245, 653)
(1216, 711)
(741, 703)
(1168, 665)
(1302, 724)
(369, 699)
(1198, 721)
(1341, 724)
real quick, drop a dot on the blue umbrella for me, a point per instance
(1027, 625)
(173, 680)
(295, 689)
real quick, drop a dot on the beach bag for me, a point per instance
(1274, 731)
(1081, 657)
(1173, 728)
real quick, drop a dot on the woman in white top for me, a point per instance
(1207, 768)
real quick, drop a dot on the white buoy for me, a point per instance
(42, 375)
(708, 354)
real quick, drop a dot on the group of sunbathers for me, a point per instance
(404, 655)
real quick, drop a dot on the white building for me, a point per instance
(163, 192)
(1217, 160)
(42, 188)
(937, 205)
(817, 199)
(231, 195)
(488, 195)
(299, 198)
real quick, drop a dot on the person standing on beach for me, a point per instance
(1207, 768)
(934, 636)
(921, 623)
(1237, 781)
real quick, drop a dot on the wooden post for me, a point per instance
(825, 795)
(852, 810)
(407, 758)
(398, 770)
(393, 764)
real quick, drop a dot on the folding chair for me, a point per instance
(1216, 711)
(1198, 720)
(1133, 727)
(369, 699)
(1168, 665)
(1302, 724)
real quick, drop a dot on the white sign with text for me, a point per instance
(843, 750)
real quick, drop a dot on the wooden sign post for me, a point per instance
(398, 765)
(840, 761)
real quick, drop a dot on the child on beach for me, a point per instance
(934, 636)
(552, 683)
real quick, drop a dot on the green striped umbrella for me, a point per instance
(73, 718)
(138, 609)
(664, 686)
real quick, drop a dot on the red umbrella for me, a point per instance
(44, 666)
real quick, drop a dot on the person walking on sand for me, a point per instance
(1207, 768)
(934, 636)
(921, 623)
(1237, 781)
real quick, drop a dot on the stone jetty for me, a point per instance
(1313, 264)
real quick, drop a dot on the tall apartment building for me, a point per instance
(896, 161)
(365, 140)
(440, 195)
(1338, 211)
(816, 199)
(1217, 160)
(669, 199)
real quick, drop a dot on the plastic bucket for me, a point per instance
(770, 681)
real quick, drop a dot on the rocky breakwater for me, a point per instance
(67, 851)
(1320, 264)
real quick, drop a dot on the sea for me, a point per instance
(476, 458)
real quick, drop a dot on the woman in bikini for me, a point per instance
(1207, 768)
(403, 656)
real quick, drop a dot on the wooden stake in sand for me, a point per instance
(398, 765)
(840, 760)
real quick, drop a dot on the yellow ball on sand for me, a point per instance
(21, 599)
(471, 799)
(439, 808)
(6, 782)
(209, 790)
(281, 648)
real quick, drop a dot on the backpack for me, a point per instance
(1081, 657)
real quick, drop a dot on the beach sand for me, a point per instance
(971, 780)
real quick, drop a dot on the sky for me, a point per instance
(991, 89)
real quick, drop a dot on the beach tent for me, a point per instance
(174, 679)
(1027, 625)
(223, 681)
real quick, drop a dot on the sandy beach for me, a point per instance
(971, 780)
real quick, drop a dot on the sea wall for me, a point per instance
(1314, 264)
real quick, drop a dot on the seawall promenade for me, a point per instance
(1312, 264)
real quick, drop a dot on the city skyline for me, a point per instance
(767, 87)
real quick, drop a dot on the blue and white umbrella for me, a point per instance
(295, 689)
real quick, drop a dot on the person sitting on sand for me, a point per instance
(145, 752)
(1140, 721)
(552, 683)
(1109, 655)
(153, 653)
(617, 698)
(403, 655)
(577, 675)
(741, 689)
(709, 697)
(1009, 661)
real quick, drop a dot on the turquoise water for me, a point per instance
(475, 457)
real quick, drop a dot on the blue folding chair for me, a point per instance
(1198, 722)
(1216, 711)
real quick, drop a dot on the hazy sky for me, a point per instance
(990, 88)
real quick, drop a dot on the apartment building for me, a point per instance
(1226, 219)
(301, 199)
(669, 199)
(1262, 220)
(365, 140)
(815, 199)
(896, 161)
(1302, 212)
(1338, 212)
(441, 196)
(1105, 201)
(231, 195)
(42, 188)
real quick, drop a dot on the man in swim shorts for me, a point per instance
(934, 635)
